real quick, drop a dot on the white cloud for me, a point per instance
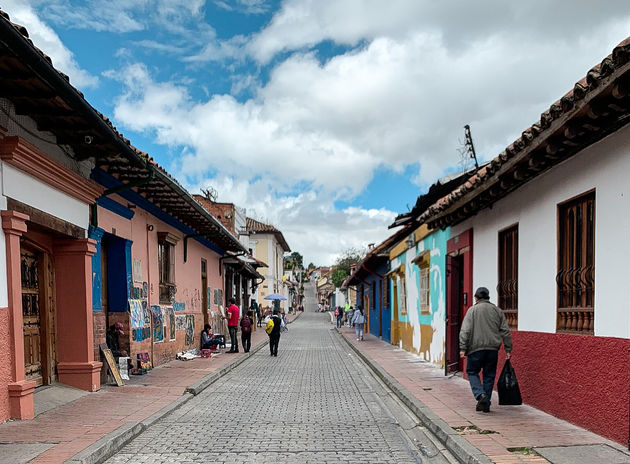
(244, 6)
(308, 221)
(400, 98)
(49, 42)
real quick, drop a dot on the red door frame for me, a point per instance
(459, 293)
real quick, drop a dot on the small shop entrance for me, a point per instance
(38, 312)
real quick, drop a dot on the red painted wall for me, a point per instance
(582, 379)
(6, 357)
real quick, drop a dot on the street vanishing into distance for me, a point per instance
(315, 403)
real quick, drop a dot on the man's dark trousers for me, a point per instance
(274, 340)
(233, 338)
(246, 341)
(486, 362)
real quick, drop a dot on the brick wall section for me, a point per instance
(100, 331)
(218, 210)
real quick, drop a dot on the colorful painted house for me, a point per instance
(544, 226)
(370, 281)
(269, 246)
(93, 232)
(417, 278)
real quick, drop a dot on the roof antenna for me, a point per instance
(469, 146)
(210, 194)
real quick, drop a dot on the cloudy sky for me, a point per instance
(325, 118)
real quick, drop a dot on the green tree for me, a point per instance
(297, 259)
(349, 257)
(311, 266)
(338, 276)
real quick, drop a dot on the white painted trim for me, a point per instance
(33, 192)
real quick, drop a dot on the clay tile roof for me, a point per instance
(553, 121)
(65, 112)
(254, 226)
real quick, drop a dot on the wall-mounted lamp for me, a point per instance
(149, 227)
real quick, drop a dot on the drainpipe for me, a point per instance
(117, 189)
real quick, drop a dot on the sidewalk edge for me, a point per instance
(108, 445)
(461, 448)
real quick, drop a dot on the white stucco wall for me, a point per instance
(604, 167)
(33, 192)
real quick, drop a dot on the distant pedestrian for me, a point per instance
(274, 335)
(256, 309)
(349, 316)
(483, 329)
(358, 321)
(246, 331)
(339, 314)
(319, 307)
(232, 313)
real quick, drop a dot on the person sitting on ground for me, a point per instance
(208, 339)
(111, 338)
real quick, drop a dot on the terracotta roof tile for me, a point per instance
(619, 56)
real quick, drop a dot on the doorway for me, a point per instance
(204, 291)
(454, 295)
(459, 270)
(38, 313)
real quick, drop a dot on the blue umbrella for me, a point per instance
(275, 296)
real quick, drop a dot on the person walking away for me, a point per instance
(246, 331)
(274, 335)
(256, 309)
(339, 314)
(358, 321)
(483, 329)
(349, 316)
(232, 323)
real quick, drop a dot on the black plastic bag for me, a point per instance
(509, 393)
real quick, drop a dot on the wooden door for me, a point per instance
(454, 290)
(366, 311)
(31, 314)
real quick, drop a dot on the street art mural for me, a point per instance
(420, 293)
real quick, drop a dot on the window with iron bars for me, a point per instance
(576, 265)
(507, 286)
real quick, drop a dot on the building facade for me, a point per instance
(542, 226)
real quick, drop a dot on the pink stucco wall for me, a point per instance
(187, 277)
(6, 354)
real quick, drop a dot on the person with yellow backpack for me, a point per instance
(274, 324)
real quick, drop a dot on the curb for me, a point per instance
(461, 448)
(108, 445)
(114, 441)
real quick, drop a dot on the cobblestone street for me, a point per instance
(315, 402)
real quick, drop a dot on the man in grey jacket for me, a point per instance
(483, 329)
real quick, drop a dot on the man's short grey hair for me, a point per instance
(482, 293)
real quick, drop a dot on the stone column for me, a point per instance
(20, 390)
(75, 337)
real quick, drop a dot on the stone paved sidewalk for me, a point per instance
(507, 435)
(74, 426)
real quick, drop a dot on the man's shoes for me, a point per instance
(482, 403)
(487, 407)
